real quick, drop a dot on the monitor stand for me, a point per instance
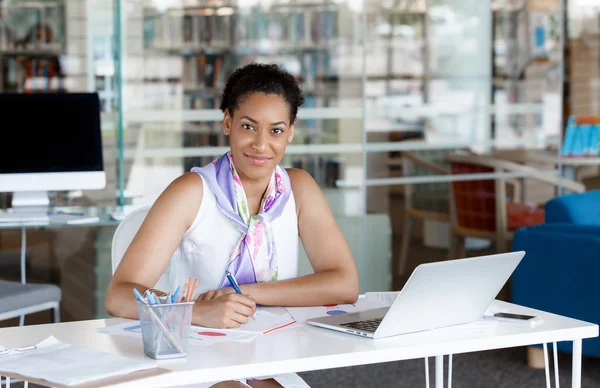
(31, 202)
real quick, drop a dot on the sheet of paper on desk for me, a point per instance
(199, 336)
(301, 314)
(66, 364)
(387, 297)
(267, 320)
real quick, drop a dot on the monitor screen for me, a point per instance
(50, 132)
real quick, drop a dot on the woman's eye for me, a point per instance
(248, 126)
(277, 130)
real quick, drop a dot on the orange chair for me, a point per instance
(479, 208)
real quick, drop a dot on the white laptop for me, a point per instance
(436, 295)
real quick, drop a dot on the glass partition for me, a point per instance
(382, 80)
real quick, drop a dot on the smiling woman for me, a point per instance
(242, 213)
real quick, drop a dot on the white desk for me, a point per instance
(308, 348)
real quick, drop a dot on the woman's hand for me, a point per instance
(228, 310)
(212, 294)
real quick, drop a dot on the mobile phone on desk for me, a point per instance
(510, 317)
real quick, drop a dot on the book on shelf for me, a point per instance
(29, 75)
(582, 137)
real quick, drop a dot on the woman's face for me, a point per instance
(259, 131)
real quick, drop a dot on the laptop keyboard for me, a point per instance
(369, 325)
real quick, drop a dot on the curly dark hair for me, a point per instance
(264, 78)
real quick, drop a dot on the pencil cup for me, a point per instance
(165, 329)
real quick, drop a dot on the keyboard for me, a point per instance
(369, 325)
(24, 217)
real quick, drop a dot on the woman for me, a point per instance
(243, 213)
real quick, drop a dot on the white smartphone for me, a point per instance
(509, 317)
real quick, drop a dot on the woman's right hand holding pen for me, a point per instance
(229, 310)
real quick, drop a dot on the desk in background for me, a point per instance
(77, 274)
(570, 166)
(306, 348)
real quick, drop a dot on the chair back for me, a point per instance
(123, 236)
(429, 197)
(125, 233)
(474, 201)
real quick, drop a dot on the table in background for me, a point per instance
(104, 219)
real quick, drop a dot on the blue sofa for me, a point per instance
(560, 272)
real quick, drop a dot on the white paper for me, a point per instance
(199, 336)
(65, 364)
(388, 297)
(266, 320)
(301, 314)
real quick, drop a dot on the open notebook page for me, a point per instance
(66, 364)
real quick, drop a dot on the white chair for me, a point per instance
(125, 233)
(123, 236)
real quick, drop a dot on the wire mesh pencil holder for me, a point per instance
(165, 329)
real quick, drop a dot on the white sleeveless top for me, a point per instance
(206, 247)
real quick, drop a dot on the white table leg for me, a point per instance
(546, 366)
(450, 371)
(23, 273)
(556, 377)
(576, 377)
(426, 372)
(439, 371)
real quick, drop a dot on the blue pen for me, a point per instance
(138, 296)
(175, 294)
(148, 296)
(151, 297)
(234, 284)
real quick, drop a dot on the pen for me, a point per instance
(175, 294)
(150, 297)
(234, 284)
(138, 296)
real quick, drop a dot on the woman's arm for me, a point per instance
(152, 247)
(335, 279)
(151, 250)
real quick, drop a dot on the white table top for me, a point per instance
(305, 348)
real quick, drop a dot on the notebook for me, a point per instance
(67, 365)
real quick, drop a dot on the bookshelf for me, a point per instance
(211, 41)
(32, 36)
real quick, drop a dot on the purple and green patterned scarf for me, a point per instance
(254, 258)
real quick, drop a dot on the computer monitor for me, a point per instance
(49, 142)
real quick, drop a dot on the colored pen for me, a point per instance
(175, 294)
(149, 297)
(138, 296)
(234, 284)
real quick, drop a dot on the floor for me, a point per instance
(505, 368)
